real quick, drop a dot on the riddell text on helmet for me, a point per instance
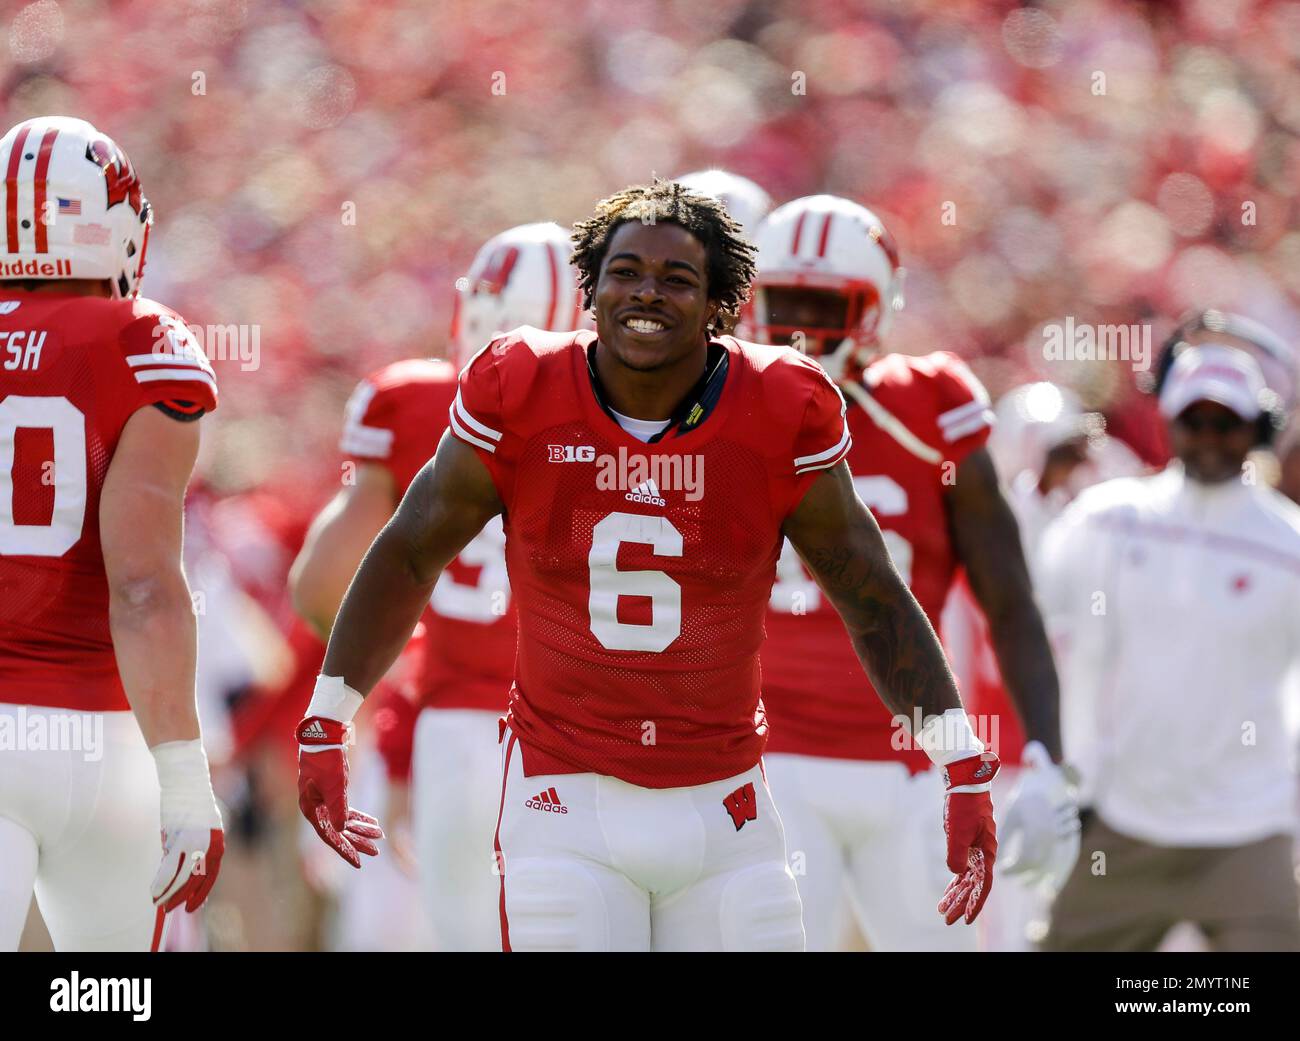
(36, 268)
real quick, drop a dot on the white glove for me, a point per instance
(192, 837)
(1040, 830)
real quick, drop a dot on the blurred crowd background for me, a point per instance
(323, 171)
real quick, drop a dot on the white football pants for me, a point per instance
(877, 829)
(455, 792)
(80, 825)
(592, 863)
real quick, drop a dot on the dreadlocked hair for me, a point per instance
(730, 258)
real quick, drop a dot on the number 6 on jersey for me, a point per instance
(608, 583)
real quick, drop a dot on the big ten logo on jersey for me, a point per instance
(22, 348)
(570, 454)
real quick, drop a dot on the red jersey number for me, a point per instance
(67, 425)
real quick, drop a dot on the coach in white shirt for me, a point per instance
(1174, 601)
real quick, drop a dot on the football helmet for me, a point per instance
(520, 277)
(829, 244)
(745, 201)
(73, 206)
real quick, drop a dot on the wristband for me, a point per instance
(334, 699)
(949, 737)
(185, 786)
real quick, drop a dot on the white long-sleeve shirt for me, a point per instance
(1175, 610)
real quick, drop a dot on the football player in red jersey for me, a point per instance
(646, 473)
(859, 799)
(466, 655)
(99, 393)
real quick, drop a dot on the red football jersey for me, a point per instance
(918, 419)
(642, 571)
(395, 418)
(73, 370)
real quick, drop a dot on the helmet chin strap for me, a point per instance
(836, 362)
(849, 355)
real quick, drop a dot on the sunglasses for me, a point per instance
(1218, 423)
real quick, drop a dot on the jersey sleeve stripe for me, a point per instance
(835, 450)
(136, 360)
(465, 435)
(976, 422)
(458, 412)
(841, 450)
(371, 442)
(198, 375)
(956, 415)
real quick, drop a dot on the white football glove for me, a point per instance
(1039, 832)
(192, 837)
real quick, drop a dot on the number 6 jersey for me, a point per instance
(641, 571)
(73, 370)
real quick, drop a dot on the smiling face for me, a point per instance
(651, 299)
(1212, 441)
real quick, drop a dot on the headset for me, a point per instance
(1272, 417)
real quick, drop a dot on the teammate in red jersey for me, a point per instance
(99, 393)
(646, 473)
(466, 655)
(859, 800)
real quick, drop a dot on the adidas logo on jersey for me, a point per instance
(647, 492)
(547, 801)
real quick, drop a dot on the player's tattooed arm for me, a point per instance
(446, 505)
(987, 538)
(840, 542)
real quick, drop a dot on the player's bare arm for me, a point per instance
(150, 614)
(155, 640)
(447, 505)
(988, 542)
(840, 542)
(336, 541)
(838, 539)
